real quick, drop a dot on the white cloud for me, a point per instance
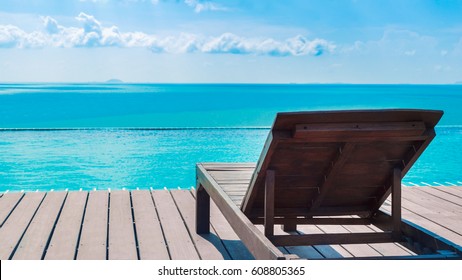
(51, 25)
(90, 24)
(10, 36)
(14, 37)
(299, 45)
(200, 6)
(92, 33)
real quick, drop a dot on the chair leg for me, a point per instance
(269, 203)
(396, 204)
(202, 210)
(288, 227)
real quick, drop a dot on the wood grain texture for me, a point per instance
(34, 241)
(122, 244)
(63, 243)
(13, 229)
(179, 242)
(7, 203)
(209, 246)
(151, 240)
(434, 209)
(330, 154)
(93, 238)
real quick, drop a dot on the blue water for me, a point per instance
(230, 125)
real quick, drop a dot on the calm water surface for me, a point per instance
(231, 124)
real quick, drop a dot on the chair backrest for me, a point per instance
(335, 163)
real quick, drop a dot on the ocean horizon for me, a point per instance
(122, 135)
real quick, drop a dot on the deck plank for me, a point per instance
(356, 250)
(442, 195)
(385, 249)
(151, 242)
(327, 251)
(457, 191)
(305, 252)
(179, 242)
(93, 239)
(425, 199)
(63, 243)
(122, 244)
(34, 241)
(31, 217)
(413, 215)
(12, 230)
(440, 216)
(7, 204)
(209, 246)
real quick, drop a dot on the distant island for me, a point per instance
(114, 81)
(458, 83)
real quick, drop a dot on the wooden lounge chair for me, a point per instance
(335, 167)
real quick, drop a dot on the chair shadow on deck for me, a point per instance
(229, 249)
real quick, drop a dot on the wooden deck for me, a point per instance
(159, 224)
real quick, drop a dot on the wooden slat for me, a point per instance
(287, 120)
(34, 241)
(323, 211)
(337, 165)
(93, 239)
(331, 238)
(151, 242)
(179, 242)
(360, 129)
(408, 161)
(7, 204)
(122, 244)
(231, 174)
(228, 165)
(209, 246)
(316, 221)
(13, 229)
(285, 138)
(63, 243)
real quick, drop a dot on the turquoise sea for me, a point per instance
(72, 136)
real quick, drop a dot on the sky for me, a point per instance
(232, 41)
